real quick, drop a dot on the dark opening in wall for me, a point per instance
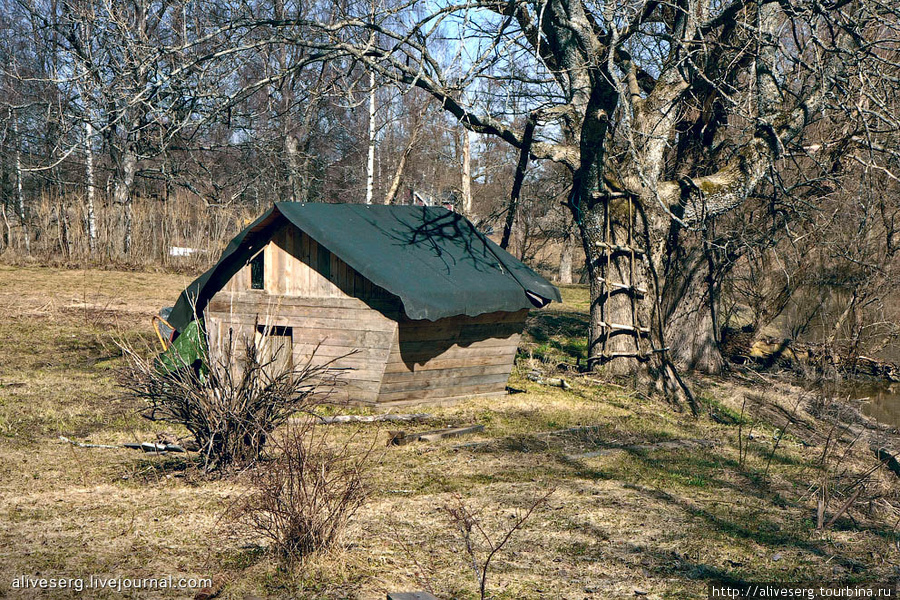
(257, 272)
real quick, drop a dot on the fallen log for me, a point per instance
(83, 445)
(401, 438)
(145, 446)
(154, 447)
(787, 353)
(550, 381)
(372, 418)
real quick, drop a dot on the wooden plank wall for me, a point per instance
(452, 357)
(296, 265)
(332, 310)
(322, 329)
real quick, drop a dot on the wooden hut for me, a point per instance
(432, 308)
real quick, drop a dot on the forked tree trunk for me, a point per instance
(401, 165)
(626, 329)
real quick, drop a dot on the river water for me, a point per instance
(880, 401)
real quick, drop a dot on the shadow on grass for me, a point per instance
(759, 530)
(152, 468)
(565, 332)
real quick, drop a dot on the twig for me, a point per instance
(844, 507)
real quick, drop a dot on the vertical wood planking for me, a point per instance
(290, 261)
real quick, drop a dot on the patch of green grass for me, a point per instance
(720, 412)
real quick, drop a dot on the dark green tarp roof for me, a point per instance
(433, 259)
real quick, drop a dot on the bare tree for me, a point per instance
(668, 116)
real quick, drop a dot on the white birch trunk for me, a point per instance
(90, 184)
(370, 167)
(20, 198)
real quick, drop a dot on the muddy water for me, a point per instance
(880, 401)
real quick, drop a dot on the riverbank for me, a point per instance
(644, 499)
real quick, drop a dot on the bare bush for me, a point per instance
(303, 499)
(481, 547)
(232, 402)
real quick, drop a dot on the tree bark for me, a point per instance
(615, 310)
(370, 164)
(91, 187)
(292, 149)
(122, 195)
(514, 196)
(20, 198)
(690, 329)
(466, 174)
(401, 164)
(566, 256)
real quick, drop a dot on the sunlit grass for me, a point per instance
(624, 515)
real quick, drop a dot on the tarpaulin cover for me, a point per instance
(433, 259)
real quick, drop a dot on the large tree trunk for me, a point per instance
(689, 318)
(619, 322)
(567, 254)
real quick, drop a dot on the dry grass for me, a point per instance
(662, 521)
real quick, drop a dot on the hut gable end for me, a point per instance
(415, 304)
(294, 264)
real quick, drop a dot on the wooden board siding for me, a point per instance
(295, 265)
(322, 329)
(452, 357)
(332, 310)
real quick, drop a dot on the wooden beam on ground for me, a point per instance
(401, 438)
(373, 418)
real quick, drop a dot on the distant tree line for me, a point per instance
(129, 124)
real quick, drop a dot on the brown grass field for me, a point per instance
(659, 521)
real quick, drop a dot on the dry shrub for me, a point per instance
(301, 500)
(232, 405)
(481, 547)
